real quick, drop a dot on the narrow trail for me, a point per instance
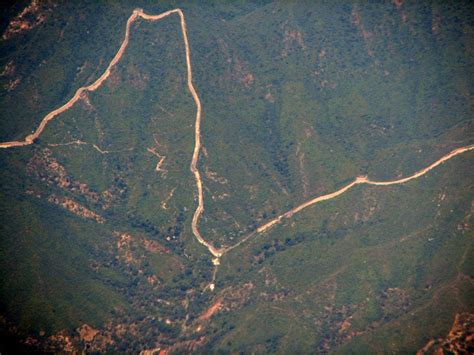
(216, 252)
(95, 146)
(197, 146)
(77, 96)
(96, 84)
(360, 180)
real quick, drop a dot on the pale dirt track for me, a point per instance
(217, 253)
(96, 84)
(360, 180)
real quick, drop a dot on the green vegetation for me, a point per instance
(298, 99)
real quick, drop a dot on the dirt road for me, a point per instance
(359, 181)
(217, 253)
(96, 84)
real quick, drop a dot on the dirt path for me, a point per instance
(95, 85)
(92, 87)
(217, 253)
(360, 180)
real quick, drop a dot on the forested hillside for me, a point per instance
(97, 251)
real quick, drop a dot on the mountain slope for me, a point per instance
(299, 98)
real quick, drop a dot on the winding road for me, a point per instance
(360, 180)
(217, 253)
(96, 84)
